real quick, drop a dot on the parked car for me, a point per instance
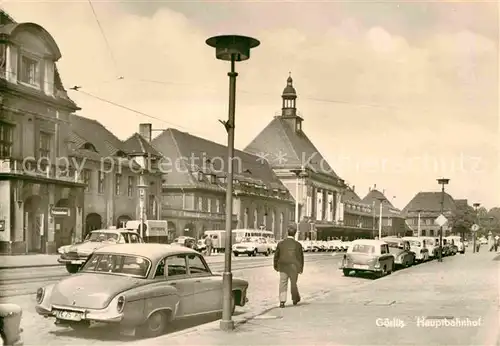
(252, 247)
(74, 256)
(418, 248)
(457, 241)
(431, 245)
(306, 245)
(10, 324)
(142, 287)
(368, 255)
(446, 247)
(401, 249)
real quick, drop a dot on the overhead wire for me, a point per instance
(103, 34)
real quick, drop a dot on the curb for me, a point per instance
(238, 321)
(31, 266)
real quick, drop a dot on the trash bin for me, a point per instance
(10, 324)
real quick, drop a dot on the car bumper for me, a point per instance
(241, 251)
(71, 261)
(360, 267)
(101, 316)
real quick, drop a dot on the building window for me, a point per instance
(45, 143)
(255, 219)
(118, 180)
(200, 203)
(6, 140)
(3, 59)
(87, 174)
(100, 185)
(30, 73)
(200, 176)
(245, 220)
(217, 205)
(209, 205)
(130, 187)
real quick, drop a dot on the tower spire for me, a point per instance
(289, 98)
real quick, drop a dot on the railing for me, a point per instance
(31, 169)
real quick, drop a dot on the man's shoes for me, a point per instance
(295, 302)
(282, 304)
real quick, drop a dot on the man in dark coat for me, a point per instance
(289, 262)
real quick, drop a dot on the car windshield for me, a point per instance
(118, 264)
(361, 248)
(394, 245)
(102, 236)
(415, 243)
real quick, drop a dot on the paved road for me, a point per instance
(320, 275)
(22, 281)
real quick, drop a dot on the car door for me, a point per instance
(207, 287)
(385, 255)
(176, 275)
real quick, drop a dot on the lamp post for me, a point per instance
(476, 207)
(231, 48)
(142, 196)
(381, 200)
(418, 223)
(442, 182)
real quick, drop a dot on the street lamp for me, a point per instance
(142, 196)
(442, 182)
(230, 48)
(381, 200)
(418, 223)
(476, 207)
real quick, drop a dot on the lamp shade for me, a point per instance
(229, 46)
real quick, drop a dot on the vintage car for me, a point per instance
(74, 256)
(307, 245)
(252, 247)
(431, 245)
(368, 255)
(401, 249)
(272, 243)
(10, 324)
(457, 241)
(418, 248)
(139, 288)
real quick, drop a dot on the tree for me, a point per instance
(462, 219)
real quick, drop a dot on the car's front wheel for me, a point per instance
(235, 254)
(346, 272)
(155, 325)
(254, 253)
(72, 268)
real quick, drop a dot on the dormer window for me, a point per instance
(200, 176)
(222, 180)
(120, 153)
(89, 146)
(213, 178)
(299, 126)
(30, 71)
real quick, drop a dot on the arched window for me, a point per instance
(273, 222)
(89, 146)
(255, 218)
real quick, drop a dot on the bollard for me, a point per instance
(10, 324)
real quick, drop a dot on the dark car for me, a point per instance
(401, 250)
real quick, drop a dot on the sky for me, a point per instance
(392, 93)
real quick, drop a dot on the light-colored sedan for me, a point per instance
(252, 247)
(368, 255)
(74, 256)
(138, 287)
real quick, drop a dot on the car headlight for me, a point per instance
(39, 295)
(120, 304)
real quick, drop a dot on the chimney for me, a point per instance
(354, 188)
(374, 186)
(145, 131)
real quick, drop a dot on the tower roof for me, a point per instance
(289, 91)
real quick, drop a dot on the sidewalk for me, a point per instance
(40, 260)
(385, 312)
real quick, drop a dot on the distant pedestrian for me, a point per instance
(289, 262)
(208, 244)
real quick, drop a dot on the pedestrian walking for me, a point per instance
(289, 262)
(208, 244)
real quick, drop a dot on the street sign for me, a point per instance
(441, 220)
(60, 211)
(474, 228)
